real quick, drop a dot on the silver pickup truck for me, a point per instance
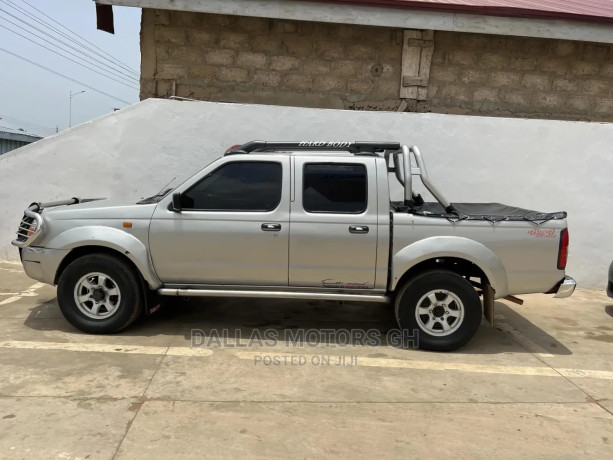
(299, 220)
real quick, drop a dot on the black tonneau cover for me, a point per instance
(491, 212)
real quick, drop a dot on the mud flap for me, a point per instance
(488, 303)
(153, 301)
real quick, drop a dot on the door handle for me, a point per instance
(358, 229)
(271, 227)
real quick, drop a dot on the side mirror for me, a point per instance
(176, 202)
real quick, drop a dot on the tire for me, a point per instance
(431, 299)
(104, 279)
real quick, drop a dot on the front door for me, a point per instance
(333, 223)
(233, 227)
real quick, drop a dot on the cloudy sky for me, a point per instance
(36, 99)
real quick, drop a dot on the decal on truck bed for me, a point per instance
(542, 233)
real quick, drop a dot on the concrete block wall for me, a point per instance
(521, 77)
(242, 59)
(308, 64)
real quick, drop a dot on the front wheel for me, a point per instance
(99, 294)
(441, 307)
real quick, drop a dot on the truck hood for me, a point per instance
(100, 209)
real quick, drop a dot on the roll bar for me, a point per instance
(405, 177)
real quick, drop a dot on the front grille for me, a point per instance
(29, 228)
(24, 228)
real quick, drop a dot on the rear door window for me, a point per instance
(334, 188)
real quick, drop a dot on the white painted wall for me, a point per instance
(539, 164)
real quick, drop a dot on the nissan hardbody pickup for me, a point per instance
(298, 220)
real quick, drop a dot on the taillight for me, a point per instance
(563, 253)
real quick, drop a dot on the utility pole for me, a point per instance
(70, 107)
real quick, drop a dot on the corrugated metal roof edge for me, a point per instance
(502, 11)
(8, 135)
(340, 12)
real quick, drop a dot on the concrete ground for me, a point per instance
(539, 384)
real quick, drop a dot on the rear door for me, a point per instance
(333, 223)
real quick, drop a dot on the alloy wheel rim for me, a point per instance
(439, 312)
(97, 295)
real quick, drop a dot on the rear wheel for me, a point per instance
(99, 294)
(442, 307)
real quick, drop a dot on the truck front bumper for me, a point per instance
(565, 288)
(41, 264)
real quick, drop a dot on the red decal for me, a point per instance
(542, 233)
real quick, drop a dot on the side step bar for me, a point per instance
(273, 295)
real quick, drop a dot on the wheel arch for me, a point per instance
(80, 241)
(459, 255)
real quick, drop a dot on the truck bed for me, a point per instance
(492, 212)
